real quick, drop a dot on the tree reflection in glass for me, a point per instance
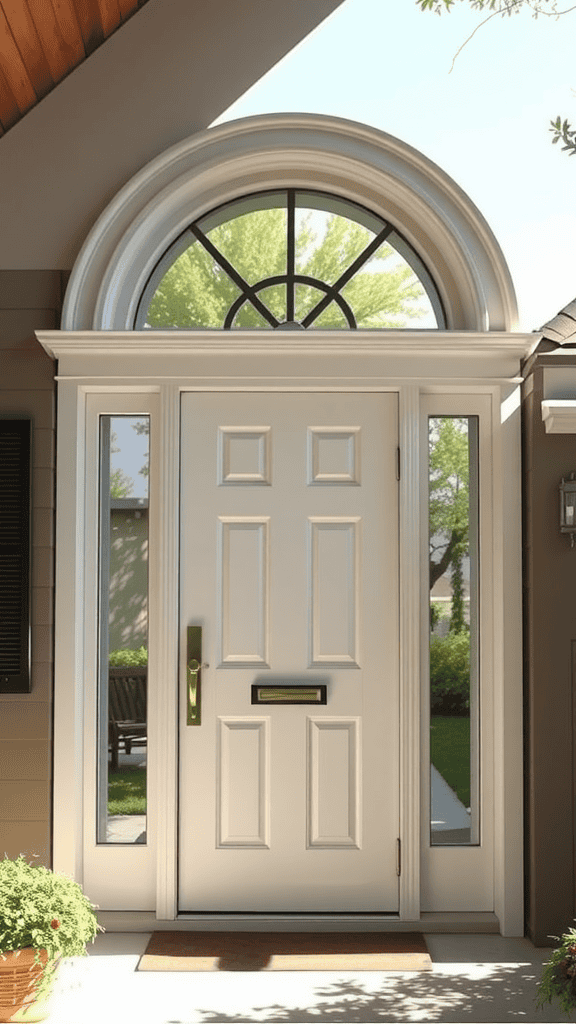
(304, 259)
(123, 645)
(453, 578)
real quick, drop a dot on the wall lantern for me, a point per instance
(568, 507)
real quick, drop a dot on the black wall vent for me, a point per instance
(15, 556)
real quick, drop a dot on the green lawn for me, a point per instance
(450, 753)
(127, 791)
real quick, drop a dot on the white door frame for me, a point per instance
(93, 365)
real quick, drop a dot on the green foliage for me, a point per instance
(142, 427)
(503, 7)
(564, 131)
(125, 656)
(127, 791)
(197, 292)
(449, 500)
(559, 975)
(450, 752)
(437, 614)
(121, 485)
(44, 910)
(457, 621)
(450, 674)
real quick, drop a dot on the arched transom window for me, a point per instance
(290, 259)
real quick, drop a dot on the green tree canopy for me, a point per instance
(197, 291)
(449, 502)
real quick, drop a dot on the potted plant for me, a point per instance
(559, 975)
(43, 917)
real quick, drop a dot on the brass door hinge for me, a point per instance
(398, 857)
(397, 463)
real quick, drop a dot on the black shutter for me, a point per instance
(15, 556)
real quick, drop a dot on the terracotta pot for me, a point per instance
(20, 976)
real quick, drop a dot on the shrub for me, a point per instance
(559, 975)
(120, 658)
(42, 909)
(450, 674)
(438, 613)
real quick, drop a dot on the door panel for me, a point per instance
(289, 563)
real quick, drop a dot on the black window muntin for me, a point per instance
(198, 230)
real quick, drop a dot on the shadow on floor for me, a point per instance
(504, 992)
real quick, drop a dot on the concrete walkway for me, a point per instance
(448, 812)
(475, 978)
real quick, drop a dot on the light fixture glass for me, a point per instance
(568, 507)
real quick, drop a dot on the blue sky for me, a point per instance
(387, 64)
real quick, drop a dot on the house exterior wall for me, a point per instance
(28, 298)
(164, 75)
(128, 609)
(169, 72)
(549, 636)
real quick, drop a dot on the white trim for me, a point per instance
(468, 345)
(209, 359)
(287, 368)
(409, 441)
(348, 159)
(456, 924)
(68, 775)
(113, 871)
(454, 875)
(164, 703)
(559, 416)
(508, 661)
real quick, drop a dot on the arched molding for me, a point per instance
(291, 150)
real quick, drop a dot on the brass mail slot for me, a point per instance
(288, 694)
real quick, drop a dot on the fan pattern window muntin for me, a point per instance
(291, 201)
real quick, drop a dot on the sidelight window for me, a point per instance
(123, 628)
(453, 647)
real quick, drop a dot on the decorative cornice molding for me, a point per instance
(559, 416)
(409, 344)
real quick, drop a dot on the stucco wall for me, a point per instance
(173, 68)
(28, 300)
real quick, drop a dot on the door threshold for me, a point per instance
(452, 923)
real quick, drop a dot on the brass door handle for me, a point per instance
(194, 668)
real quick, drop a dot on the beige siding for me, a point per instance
(128, 619)
(30, 300)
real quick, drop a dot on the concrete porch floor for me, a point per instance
(475, 978)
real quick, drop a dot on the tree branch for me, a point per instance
(437, 569)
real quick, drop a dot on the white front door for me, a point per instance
(289, 563)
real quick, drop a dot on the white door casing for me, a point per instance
(115, 372)
(289, 554)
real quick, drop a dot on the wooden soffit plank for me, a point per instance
(14, 68)
(110, 16)
(23, 28)
(9, 110)
(41, 41)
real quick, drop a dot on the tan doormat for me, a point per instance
(286, 951)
